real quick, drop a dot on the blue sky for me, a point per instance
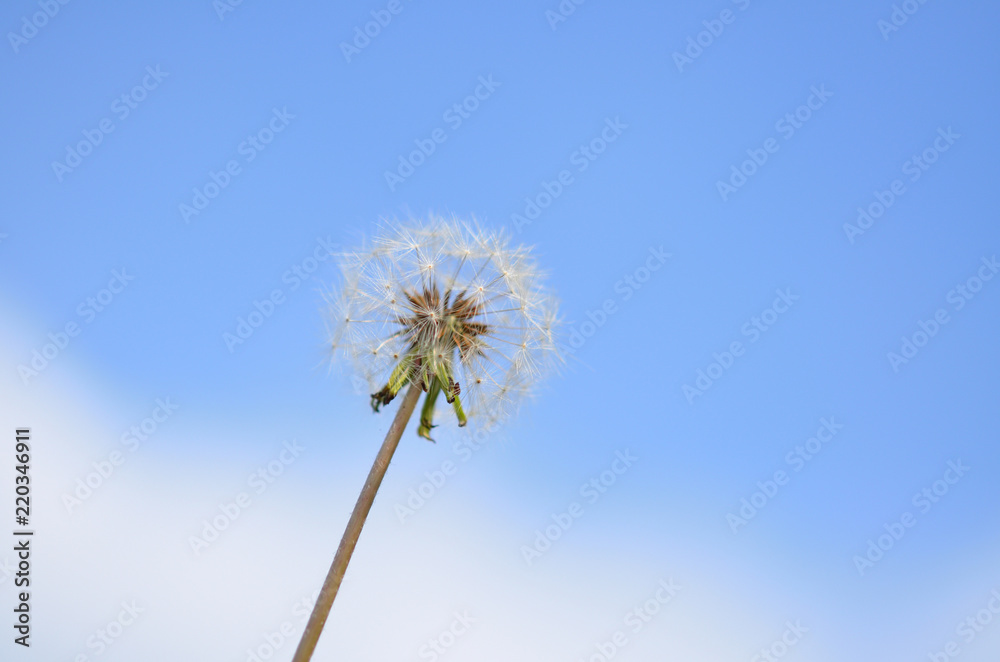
(288, 123)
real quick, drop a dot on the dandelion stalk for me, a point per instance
(333, 578)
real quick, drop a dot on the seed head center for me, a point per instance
(438, 324)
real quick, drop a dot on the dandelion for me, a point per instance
(446, 309)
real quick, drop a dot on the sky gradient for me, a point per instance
(769, 227)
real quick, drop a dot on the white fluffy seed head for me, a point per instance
(459, 293)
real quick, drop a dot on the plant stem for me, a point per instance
(333, 578)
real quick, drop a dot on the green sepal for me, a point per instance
(459, 412)
(427, 412)
(443, 372)
(401, 374)
(398, 378)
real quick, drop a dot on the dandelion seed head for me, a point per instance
(447, 292)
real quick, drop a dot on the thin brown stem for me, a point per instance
(333, 578)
